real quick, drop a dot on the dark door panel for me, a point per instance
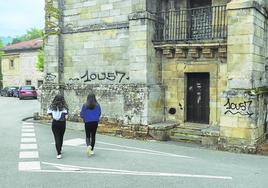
(198, 97)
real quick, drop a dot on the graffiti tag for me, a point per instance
(50, 77)
(111, 76)
(242, 108)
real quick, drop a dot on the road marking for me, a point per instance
(94, 170)
(147, 150)
(27, 123)
(28, 127)
(78, 142)
(28, 134)
(28, 166)
(74, 142)
(28, 139)
(28, 149)
(144, 152)
(29, 154)
(27, 130)
(28, 146)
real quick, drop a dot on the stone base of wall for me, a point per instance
(161, 131)
(106, 126)
(226, 145)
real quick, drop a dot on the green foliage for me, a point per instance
(33, 33)
(1, 47)
(1, 53)
(40, 60)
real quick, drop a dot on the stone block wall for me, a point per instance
(243, 110)
(24, 69)
(124, 104)
(107, 47)
(175, 78)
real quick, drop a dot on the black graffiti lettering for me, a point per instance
(120, 73)
(86, 75)
(50, 77)
(111, 76)
(73, 79)
(242, 108)
(243, 114)
(104, 76)
(93, 76)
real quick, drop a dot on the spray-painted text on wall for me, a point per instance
(111, 76)
(242, 108)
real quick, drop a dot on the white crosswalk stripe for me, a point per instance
(28, 149)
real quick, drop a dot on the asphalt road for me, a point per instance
(28, 159)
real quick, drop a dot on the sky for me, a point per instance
(18, 16)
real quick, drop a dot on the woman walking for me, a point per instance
(90, 113)
(58, 110)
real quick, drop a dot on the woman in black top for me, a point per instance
(58, 110)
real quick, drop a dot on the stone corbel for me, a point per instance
(180, 53)
(168, 52)
(194, 52)
(222, 52)
(208, 52)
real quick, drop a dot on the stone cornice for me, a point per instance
(193, 51)
(235, 5)
(141, 15)
(68, 29)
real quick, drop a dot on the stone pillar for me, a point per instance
(241, 119)
(143, 65)
(53, 63)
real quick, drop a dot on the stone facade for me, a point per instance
(105, 50)
(109, 46)
(19, 65)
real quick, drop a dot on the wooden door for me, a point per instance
(198, 98)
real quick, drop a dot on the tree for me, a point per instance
(40, 60)
(1, 53)
(33, 33)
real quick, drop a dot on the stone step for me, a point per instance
(187, 131)
(186, 138)
(263, 149)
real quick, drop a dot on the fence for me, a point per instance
(204, 23)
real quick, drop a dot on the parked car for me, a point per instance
(8, 91)
(16, 92)
(27, 92)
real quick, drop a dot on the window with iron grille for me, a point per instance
(196, 20)
(28, 82)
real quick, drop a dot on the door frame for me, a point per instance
(186, 76)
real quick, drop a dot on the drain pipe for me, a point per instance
(60, 48)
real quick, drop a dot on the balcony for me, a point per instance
(195, 24)
(192, 33)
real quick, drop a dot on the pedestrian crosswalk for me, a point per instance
(28, 155)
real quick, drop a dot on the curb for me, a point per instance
(25, 119)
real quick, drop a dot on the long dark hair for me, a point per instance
(58, 103)
(91, 101)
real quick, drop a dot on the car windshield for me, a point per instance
(28, 88)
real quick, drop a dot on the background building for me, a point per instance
(19, 64)
(158, 63)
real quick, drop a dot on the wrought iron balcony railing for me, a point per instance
(204, 23)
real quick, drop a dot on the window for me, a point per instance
(11, 64)
(39, 83)
(28, 82)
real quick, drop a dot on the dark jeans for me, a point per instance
(58, 129)
(91, 129)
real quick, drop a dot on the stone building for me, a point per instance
(19, 64)
(153, 64)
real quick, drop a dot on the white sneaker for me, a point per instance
(89, 150)
(59, 156)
